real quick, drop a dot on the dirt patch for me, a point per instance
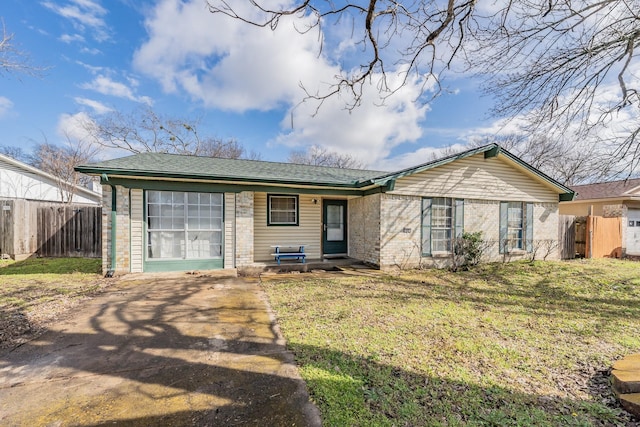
(18, 326)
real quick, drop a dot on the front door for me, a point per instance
(334, 227)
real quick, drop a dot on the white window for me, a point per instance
(282, 209)
(442, 221)
(183, 225)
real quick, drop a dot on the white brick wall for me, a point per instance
(244, 228)
(401, 223)
(364, 228)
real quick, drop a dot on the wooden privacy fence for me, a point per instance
(49, 229)
(567, 236)
(68, 231)
(603, 237)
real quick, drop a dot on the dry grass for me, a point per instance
(40, 290)
(515, 344)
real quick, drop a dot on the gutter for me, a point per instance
(112, 268)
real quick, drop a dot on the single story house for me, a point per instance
(611, 199)
(165, 212)
(21, 181)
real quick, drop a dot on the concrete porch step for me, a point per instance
(626, 383)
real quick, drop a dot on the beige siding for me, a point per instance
(475, 177)
(137, 230)
(229, 229)
(308, 232)
(582, 208)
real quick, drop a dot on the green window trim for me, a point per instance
(455, 229)
(280, 205)
(186, 263)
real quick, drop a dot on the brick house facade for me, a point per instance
(181, 213)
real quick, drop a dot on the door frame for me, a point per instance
(344, 243)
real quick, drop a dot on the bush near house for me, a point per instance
(524, 343)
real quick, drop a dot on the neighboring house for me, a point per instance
(21, 181)
(166, 212)
(611, 199)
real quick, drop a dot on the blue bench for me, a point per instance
(289, 251)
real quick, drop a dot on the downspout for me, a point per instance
(112, 267)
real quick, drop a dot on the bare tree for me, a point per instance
(320, 156)
(59, 161)
(12, 59)
(554, 62)
(16, 153)
(146, 131)
(568, 162)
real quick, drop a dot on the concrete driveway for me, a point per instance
(159, 350)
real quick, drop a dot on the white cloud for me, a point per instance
(229, 65)
(70, 38)
(74, 126)
(5, 106)
(106, 86)
(91, 68)
(368, 132)
(97, 107)
(91, 51)
(84, 14)
(415, 158)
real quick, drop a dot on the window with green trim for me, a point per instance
(516, 227)
(184, 225)
(282, 209)
(442, 222)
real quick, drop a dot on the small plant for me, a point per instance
(467, 250)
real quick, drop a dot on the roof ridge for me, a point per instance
(252, 161)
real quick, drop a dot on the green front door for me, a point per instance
(334, 227)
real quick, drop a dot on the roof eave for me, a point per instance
(208, 177)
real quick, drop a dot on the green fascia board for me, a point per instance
(490, 150)
(159, 165)
(383, 179)
(566, 191)
(154, 174)
(351, 181)
(566, 197)
(231, 187)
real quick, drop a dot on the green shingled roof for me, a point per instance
(179, 166)
(174, 166)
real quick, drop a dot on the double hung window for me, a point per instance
(516, 227)
(282, 209)
(442, 222)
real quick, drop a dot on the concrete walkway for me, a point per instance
(181, 350)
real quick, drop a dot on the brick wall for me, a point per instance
(364, 228)
(123, 243)
(106, 228)
(400, 231)
(123, 230)
(401, 234)
(244, 228)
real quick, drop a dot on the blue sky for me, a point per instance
(243, 82)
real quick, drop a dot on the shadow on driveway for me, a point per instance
(180, 350)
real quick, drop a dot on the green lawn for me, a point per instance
(504, 344)
(38, 290)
